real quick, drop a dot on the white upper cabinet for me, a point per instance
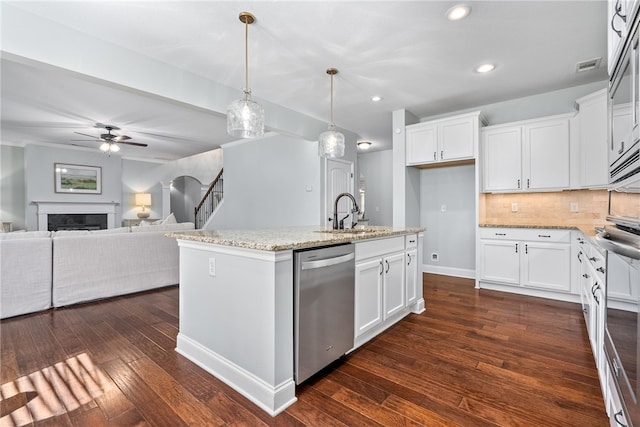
(591, 135)
(444, 140)
(530, 155)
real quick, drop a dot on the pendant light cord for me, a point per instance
(331, 103)
(246, 59)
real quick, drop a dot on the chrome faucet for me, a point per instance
(355, 210)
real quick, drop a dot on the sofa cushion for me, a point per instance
(24, 235)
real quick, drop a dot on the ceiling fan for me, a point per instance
(110, 141)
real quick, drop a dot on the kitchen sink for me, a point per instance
(356, 230)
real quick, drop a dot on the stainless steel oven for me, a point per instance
(622, 325)
(624, 111)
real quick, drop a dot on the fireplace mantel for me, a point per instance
(46, 208)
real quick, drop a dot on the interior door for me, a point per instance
(339, 180)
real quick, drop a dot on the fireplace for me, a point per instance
(57, 222)
(76, 215)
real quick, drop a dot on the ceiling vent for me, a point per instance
(590, 64)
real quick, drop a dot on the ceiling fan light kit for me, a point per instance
(245, 117)
(331, 142)
(110, 141)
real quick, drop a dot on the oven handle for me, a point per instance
(616, 242)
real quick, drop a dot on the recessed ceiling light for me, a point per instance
(364, 145)
(458, 12)
(485, 68)
(376, 98)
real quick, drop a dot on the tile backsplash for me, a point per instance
(545, 208)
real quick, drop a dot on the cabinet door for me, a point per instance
(393, 284)
(546, 266)
(621, 134)
(411, 276)
(502, 152)
(368, 295)
(421, 144)
(546, 155)
(456, 139)
(500, 261)
(592, 125)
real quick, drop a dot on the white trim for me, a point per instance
(521, 290)
(272, 399)
(46, 208)
(449, 271)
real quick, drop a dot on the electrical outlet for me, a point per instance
(443, 208)
(514, 207)
(574, 207)
(212, 266)
(434, 257)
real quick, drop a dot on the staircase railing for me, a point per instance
(209, 202)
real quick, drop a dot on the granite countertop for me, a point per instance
(587, 230)
(281, 239)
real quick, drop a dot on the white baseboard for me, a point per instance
(449, 271)
(272, 399)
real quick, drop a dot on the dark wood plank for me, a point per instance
(474, 358)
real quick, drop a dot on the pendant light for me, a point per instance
(331, 142)
(245, 117)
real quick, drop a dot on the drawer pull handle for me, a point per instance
(615, 417)
(600, 269)
(501, 234)
(547, 236)
(592, 259)
(412, 241)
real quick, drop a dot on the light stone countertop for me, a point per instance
(588, 231)
(281, 239)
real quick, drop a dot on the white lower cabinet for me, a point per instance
(386, 283)
(529, 258)
(411, 276)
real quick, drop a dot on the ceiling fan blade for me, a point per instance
(85, 134)
(86, 140)
(121, 138)
(137, 144)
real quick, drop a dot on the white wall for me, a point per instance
(450, 234)
(270, 182)
(39, 164)
(12, 186)
(376, 169)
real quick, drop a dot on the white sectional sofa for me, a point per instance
(25, 272)
(45, 269)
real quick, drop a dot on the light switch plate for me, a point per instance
(514, 207)
(574, 207)
(212, 266)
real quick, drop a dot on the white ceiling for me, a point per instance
(405, 51)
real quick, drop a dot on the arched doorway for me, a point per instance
(186, 192)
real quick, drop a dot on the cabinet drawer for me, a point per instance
(411, 241)
(528, 234)
(379, 247)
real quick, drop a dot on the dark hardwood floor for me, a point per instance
(474, 358)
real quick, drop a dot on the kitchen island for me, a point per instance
(236, 303)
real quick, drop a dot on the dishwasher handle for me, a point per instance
(310, 265)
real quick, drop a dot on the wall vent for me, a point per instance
(590, 64)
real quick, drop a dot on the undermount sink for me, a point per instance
(356, 230)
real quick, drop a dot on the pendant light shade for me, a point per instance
(331, 142)
(245, 117)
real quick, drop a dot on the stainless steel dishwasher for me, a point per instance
(324, 294)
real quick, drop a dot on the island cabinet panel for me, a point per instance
(411, 276)
(394, 284)
(387, 286)
(520, 258)
(236, 320)
(368, 295)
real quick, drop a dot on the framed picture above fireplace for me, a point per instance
(77, 179)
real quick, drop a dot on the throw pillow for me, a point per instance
(171, 219)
